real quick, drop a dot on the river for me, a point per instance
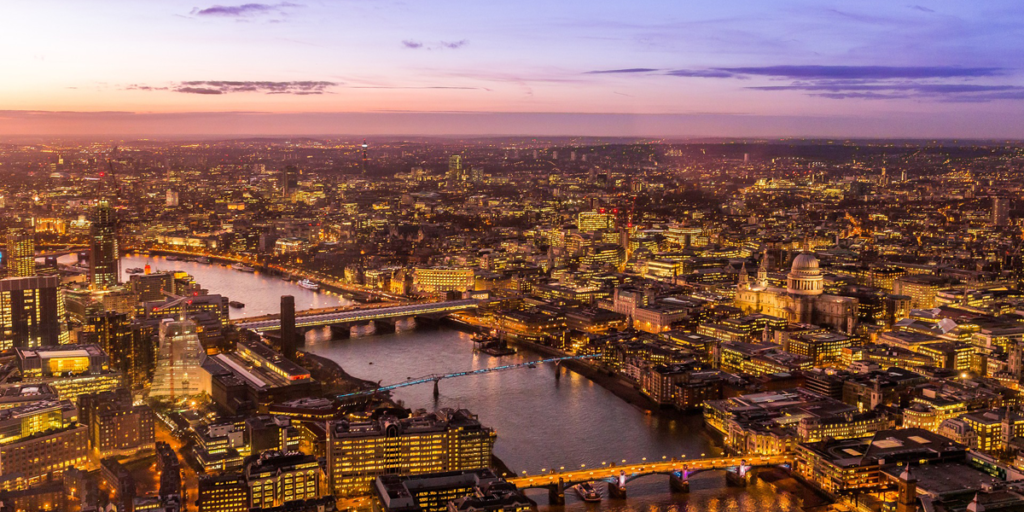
(542, 422)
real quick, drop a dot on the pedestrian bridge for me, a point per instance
(678, 472)
(352, 315)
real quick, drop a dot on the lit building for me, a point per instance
(590, 222)
(178, 370)
(41, 439)
(921, 288)
(824, 348)
(802, 301)
(172, 198)
(69, 370)
(104, 258)
(277, 478)
(21, 253)
(448, 440)
(116, 426)
(478, 490)
(223, 493)
(1000, 211)
(31, 312)
(758, 359)
(443, 279)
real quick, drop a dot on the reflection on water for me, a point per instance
(261, 293)
(544, 422)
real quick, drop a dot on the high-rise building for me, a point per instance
(21, 251)
(31, 312)
(117, 427)
(455, 173)
(112, 331)
(448, 440)
(178, 371)
(1000, 211)
(172, 198)
(104, 260)
(289, 336)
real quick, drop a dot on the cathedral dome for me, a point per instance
(805, 261)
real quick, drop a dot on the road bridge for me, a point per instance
(354, 315)
(679, 471)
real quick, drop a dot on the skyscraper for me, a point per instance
(289, 338)
(31, 312)
(178, 362)
(21, 250)
(455, 169)
(104, 270)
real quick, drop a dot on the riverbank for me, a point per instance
(619, 386)
(335, 379)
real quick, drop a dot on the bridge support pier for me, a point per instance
(428, 322)
(385, 325)
(678, 482)
(556, 493)
(617, 487)
(341, 331)
(736, 479)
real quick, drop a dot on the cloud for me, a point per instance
(701, 73)
(950, 93)
(213, 87)
(412, 44)
(921, 8)
(864, 72)
(251, 9)
(621, 71)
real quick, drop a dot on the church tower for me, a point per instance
(743, 283)
(907, 501)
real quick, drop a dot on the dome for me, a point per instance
(805, 261)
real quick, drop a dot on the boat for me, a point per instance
(531, 365)
(135, 270)
(203, 259)
(236, 304)
(173, 258)
(309, 285)
(243, 268)
(587, 492)
(492, 345)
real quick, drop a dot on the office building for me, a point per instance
(152, 286)
(172, 198)
(21, 253)
(277, 478)
(227, 492)
(589, 222)
(448, 440)
(41, 438)
(179, 356)
(442, 279)
(31, 312)
(116, 426)
(1000, 211)
(105, 257)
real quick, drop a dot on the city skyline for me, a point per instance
(941, 70)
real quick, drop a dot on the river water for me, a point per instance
(542, 422)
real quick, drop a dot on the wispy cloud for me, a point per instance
(211, 87)
(939, 83)
(621, 71)
(412, 44)
(243, 10)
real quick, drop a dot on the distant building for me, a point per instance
(172, 198)
(1000, 211)
(21, 253)
(105, 256)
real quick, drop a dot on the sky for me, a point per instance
(651, 68)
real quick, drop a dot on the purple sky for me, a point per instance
(462, 67)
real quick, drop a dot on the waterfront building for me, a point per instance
(178, 370)
(442, 279)
(476, 490)
(758, 359)
(151, 286)
(31, 312)
(448, 440)
(802, 301)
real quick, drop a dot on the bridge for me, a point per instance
(679, 471)
(382, 316)
(437, 377)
